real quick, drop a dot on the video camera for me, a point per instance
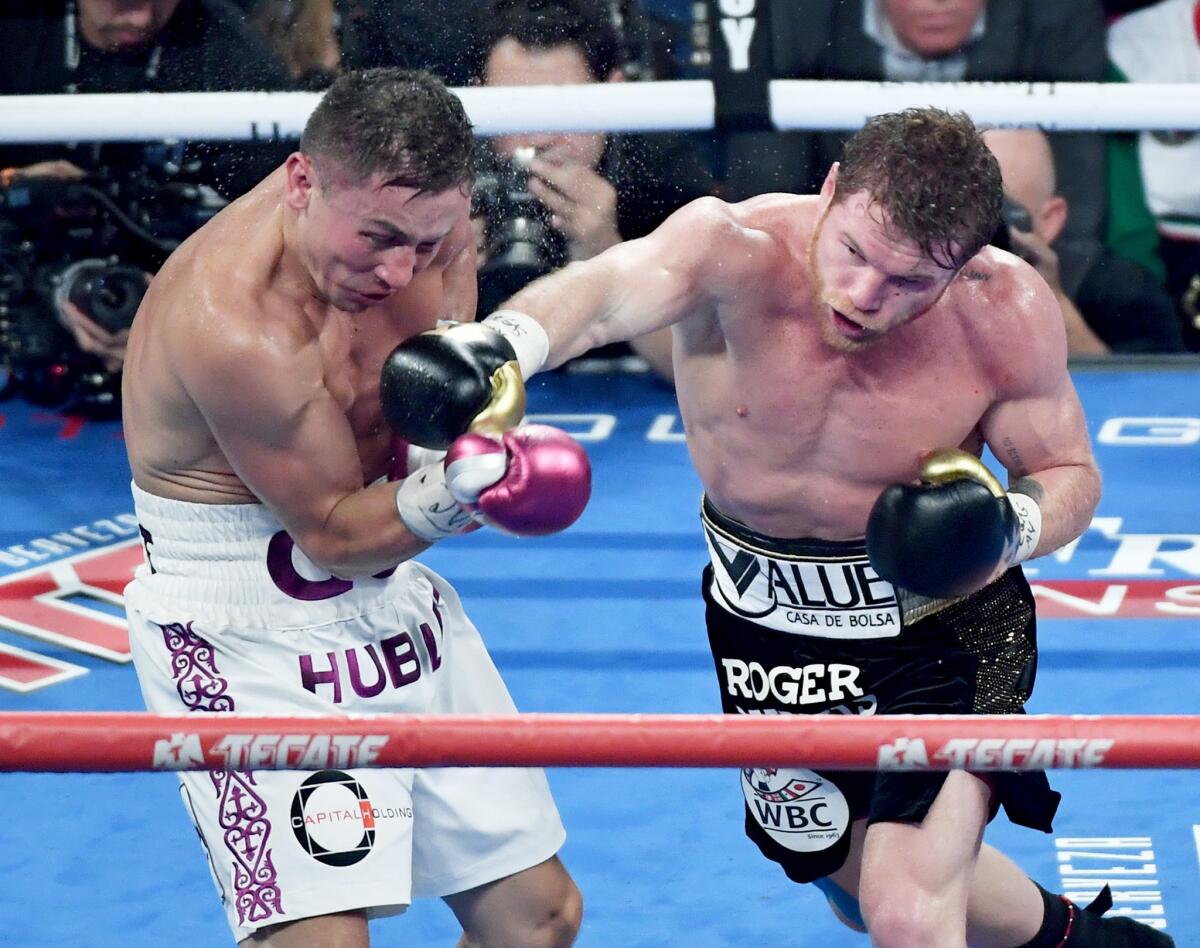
(91, 242)
(520, 245)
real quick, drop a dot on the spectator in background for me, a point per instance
(589, 190)
(1162, 44)
(1110, 304)
(951, 40)
(304, 35)
(89, 46)
(137, 46)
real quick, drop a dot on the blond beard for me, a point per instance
(829, 334)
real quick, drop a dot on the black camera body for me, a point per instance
(519, 243)
(1013, 216)
(91, 243)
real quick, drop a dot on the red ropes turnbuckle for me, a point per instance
(80, 741)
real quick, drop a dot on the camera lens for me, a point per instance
(1013, 216)
(1016, 215)
(109, 294)
(520, 243)
(112, 297)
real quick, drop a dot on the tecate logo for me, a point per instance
(270, 751)
(995, 753)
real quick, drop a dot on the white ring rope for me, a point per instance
(1062, 106)
(795, 104)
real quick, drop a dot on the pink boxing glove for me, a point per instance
(545, 486)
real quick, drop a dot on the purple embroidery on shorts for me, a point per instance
(356, 678)
(194, 668)
(432, 642)
(283, 573)
(246, 832)
(289, 582)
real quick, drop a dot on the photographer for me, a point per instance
(1109, 303)
(134, 202)
(547, 198)
(76, 254)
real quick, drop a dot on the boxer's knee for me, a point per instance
(907, 917)
(553, 923)
(560, 923)
(539, 908)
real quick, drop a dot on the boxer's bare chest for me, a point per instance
(868, 417)
(353, 353)
(797, 438)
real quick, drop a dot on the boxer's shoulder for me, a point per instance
(776, 217)
(732, 243)
(1012, 317)
(1001, 285)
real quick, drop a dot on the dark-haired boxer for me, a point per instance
(279, 575)
(827, 350)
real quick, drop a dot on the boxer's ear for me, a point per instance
(829, 186)
(301, 179)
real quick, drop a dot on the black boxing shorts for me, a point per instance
(808, 627)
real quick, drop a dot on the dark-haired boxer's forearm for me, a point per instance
(363, 535)
(532, 481)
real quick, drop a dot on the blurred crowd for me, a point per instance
(1111, 221)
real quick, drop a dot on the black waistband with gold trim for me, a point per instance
(795, 584)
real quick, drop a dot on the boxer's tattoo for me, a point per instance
(1015, 461)
(977, 275)
(1029, 487)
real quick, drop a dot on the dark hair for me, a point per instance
(544, 24)
(933, 175)
(403, 123)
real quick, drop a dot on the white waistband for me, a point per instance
(214, 557)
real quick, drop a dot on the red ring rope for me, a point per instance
(80, 741)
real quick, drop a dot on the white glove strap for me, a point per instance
(525, 334)
(427, 507)
(418, 457)
(468, 477)
(1029, 516)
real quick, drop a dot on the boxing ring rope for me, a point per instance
(130, 741)
(687, 105)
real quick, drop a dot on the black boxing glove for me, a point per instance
(438, 385)
(952, 533)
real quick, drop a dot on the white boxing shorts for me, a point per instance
(228, 615)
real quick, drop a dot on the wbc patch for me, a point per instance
(797, 808)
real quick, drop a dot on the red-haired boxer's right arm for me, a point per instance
(638, 286)
(260, 385)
